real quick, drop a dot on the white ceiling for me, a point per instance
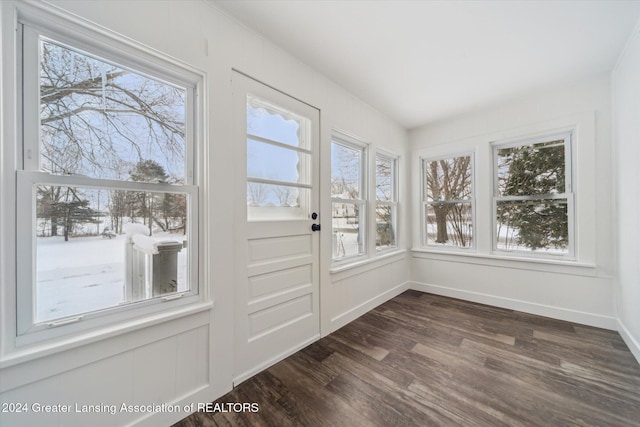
(420, 61)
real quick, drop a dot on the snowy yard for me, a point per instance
(85, 274)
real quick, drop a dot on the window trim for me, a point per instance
(142, 61)
(351, 142)
(423, 203)
(393, 203)
(568, 136)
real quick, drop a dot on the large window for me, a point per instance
(107, 196)
(447, 202)
(533, 203)
(386, 202)
(348, 197)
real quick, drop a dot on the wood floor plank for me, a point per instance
(422, 359)
(577, 391)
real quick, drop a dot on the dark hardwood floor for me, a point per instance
(422, 360)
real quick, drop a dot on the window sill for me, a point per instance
(342, 271)
(50, 347)
(574, 268)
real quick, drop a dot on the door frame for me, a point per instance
(240, 84)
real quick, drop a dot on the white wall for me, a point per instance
(626, 131)
(189, 359)
(580, 291)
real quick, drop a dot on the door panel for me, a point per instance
(261, 285)
(277, 289)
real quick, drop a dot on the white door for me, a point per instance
(277, 261)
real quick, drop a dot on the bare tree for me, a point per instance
(95, 116)
(345, 172)
(448, 186)
(256, 193)
(102, 120)
(385, 234)
(285, 195)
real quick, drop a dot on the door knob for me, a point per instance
(315, 227)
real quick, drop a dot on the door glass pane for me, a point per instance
(533, 226)
(267, 201)
(267, 195)
(268, 160)
(277, 124)
(85, 260)
(104, 121)
(272, 162)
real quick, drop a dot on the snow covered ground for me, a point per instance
(85, 274)
(507, 240)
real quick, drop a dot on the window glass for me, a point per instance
(85, 238)
(348, 237)
(385, 226)
(386, 202)
(448, 207)
(384, 179)
(101, 120)
(528, 225)
(348, 216)
(531, 201)
(346, 171)
(529, 170)
(109, 202)
(449, 224)
(448, 179)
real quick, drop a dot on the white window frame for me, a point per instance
(362, 203)
(393, 203)
(424, 203)
(567, 136)
(28, 174)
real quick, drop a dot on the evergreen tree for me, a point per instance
(148, 171)
(74, 212)
(534, 170)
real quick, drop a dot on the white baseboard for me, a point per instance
(261, 367)
(187, 405)
(351, 315)
(631, 342)
(584, 318)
